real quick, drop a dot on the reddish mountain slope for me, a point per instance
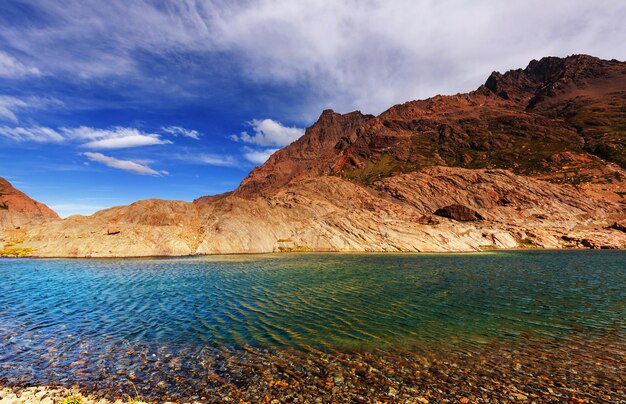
(532, 158)
(561, 119)
(17, 209)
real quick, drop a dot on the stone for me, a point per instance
(357, 182)
(113, 230)
(620, 226)
(458, 212)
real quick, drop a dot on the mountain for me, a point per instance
(550, 120)
(17, 209)
(533, 158)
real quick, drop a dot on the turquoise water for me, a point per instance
(54, 313)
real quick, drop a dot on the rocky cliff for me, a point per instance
(533, 158)
(17, 209)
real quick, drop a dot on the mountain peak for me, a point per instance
(311, 155)
(548, 77)
(17, 209)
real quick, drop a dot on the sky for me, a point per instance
(103, 103)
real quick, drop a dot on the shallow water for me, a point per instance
(101, 323)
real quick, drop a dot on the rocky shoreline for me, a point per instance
(47, 395)
(481, 249)
(574, 371)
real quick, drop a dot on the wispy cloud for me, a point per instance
(10, 106)
(86, 137)
(36, 134)
(268, 132)
(115, 138)
(369, 55)
(257, 156)
(208, 159)
(11, 67)
(126, 165)
(177, 130)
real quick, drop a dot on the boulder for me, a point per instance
(459, 212)
(620, 226)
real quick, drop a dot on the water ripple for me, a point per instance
(71, 313)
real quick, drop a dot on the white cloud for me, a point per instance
(268, 132)
(126, 165)
(10, 67)
(351, 54)
(90, 138)
(9, 106)
(258, 156)
(177, 130)
(37, 134)
(209, 159)
(116, 138)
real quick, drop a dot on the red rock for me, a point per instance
(113, 230)
(17, 209)
(618, 226)
(459, 212)
(532, 151)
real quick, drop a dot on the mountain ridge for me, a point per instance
(532, 158)
(18, 209)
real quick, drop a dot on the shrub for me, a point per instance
(72, 400)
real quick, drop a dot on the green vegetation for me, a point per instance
(298, 248)
(15, 252)
(603, 130)
(526, 243)
(506, 142)
(284, 240)
(487, 247)
(72, 400)
(11, 241)
(377, 169)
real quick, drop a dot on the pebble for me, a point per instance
(275, 376)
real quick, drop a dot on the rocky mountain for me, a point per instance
(17, 209)
(533, 158)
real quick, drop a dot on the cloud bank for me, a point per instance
(350, 55)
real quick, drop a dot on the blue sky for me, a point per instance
(105, 103)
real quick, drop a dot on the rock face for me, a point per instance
(17, 209)
(618, 226)
(310, 156)
(533, 158)
(459, 212)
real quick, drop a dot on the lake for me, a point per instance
(546, 325)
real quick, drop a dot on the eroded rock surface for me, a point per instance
(17, 209)
(533, 158)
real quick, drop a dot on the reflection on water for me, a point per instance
(169, 324)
